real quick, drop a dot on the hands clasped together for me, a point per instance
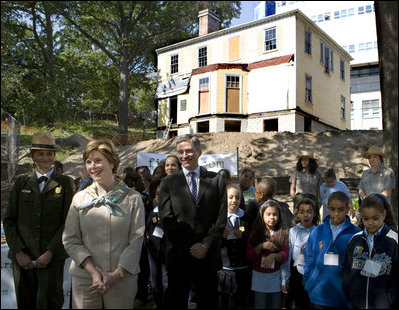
(268, 261)
(26, 262)
(198, 250)
(103, 281)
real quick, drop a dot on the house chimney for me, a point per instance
(208, 22)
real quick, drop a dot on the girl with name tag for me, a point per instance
(235, 275)
(267, 249)
(324, 254)
(370, 266)
(306, 218)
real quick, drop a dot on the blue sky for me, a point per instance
(247, 13)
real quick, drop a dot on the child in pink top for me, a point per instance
(267, 249)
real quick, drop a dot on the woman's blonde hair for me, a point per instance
(105, 147)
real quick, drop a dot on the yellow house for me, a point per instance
(279, 73)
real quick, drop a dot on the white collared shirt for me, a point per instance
(188, 177)
(48, 175)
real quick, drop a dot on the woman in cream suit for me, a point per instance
(103, 235)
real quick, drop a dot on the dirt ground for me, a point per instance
(269, 154)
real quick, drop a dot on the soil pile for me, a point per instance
(269, 154)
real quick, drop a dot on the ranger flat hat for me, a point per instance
(43, 141)
(373, 150)
(306, 154)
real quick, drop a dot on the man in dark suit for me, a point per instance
(193, 208)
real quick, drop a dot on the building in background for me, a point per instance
(352, 25)
(279, 73)
(264, 8)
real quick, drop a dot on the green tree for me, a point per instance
(128, 32)
(36, 81)
(386, 13)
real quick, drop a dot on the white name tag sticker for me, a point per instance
(263, 263)
(372, 267)
(331, 259)
(158, 232)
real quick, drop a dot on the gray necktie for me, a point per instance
(193, 186)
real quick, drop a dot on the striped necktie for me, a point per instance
(193, 186)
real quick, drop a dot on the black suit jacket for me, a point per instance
(185, 223)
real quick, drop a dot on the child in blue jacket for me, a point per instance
(325, 252)
(370, 266)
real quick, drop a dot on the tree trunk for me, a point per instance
(386, 13)
(50, 76)
(123, 99)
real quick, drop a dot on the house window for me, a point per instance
(371, 108)
(336, 14)
(360, 10)
(232, 126)
(270, 124)
(327, 60)
(369, 9)
(270, 39)
(307, 124)
(321, 53)
(183, 105)
(202, 56)
(234, 48)
(203, 96)
(332, 60)
(351, 49)
(233, 93)
(308, 42)
(343, 110)
(342, 69)
(343, 13)
(351, 12)
(308, 88)
(203, 126)
(327, 16)
(174, 64)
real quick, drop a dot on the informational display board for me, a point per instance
(212, 162)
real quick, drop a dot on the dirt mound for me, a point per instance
(274, 153)
(76, 142)
(269, 154)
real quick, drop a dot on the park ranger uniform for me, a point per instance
(383, 179)
(34, 222)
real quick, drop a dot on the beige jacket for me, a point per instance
(110, 240)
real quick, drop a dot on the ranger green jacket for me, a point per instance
(34, 221)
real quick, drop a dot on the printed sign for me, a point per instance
(151, 160)
(215, 162)
(212, 162)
